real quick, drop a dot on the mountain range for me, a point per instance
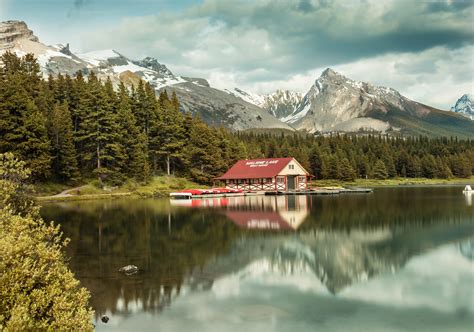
(334, 103)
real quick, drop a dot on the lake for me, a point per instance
(398, 259)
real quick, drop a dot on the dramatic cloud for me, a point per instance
(267, 44)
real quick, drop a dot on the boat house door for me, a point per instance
(290, 182)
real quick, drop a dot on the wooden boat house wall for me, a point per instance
(272, 174)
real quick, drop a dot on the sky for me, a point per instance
(424, 49)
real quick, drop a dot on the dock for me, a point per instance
(322, 191)
(317, 191)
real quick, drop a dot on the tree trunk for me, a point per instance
(98, 157)
(168, 164)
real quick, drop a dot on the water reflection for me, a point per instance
(276, 259)
(468, 197)
(257, 212)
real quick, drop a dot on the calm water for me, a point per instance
(400, 259)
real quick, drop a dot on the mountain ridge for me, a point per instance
(196, 96)
(334, 103)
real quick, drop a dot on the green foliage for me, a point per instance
(75, 128)
(380, 170)
(63, 149)
(22, 124)
(38, 291)
(344, 157)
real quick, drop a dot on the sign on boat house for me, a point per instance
(272, 174)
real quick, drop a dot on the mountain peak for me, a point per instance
(11, 31)
(328, 72)
(153, 64)
(464, 106)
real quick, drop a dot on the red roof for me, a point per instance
(258, 220)
(256, 168)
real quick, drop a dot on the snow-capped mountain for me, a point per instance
(282, 103)
(214, 106)
(335, 103)
(464, 106)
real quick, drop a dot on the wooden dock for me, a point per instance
(322, 191)
(318, 191)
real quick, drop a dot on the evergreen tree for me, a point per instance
(380, 171)
(316, 162)
(347, 173)
(171, 134)
(63, 150)
(22, 125)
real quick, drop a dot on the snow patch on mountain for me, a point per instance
(464, 106)
(95, 58)
(45, 58)
(282, 103)
(249, 97)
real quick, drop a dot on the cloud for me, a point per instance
(437, 77)
(263, 43)
(78, 4)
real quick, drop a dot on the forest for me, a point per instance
(73, 129)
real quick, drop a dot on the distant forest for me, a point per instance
(71, 129)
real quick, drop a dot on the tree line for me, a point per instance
(71, 129)
(347, 157)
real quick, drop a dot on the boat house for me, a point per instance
(272, 174)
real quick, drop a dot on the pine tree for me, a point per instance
(132, 139)
(347, 173)
(99, 132)
(380, 171)
(22, 124)
(63, 150)
(170, 137)
(316, 162)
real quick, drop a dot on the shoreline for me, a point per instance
(164, 192)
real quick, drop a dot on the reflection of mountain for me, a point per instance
(467, 249)
(342, 240)
(338, 258)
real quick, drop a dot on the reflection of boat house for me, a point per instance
(272, 174)
(269, 213)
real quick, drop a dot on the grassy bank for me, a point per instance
(391, 182)
(159, 186)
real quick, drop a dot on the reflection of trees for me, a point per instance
(388, 206)
(177, 246)
(166, 248)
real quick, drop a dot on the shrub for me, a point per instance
(37, 289)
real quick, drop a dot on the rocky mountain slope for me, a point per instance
(214, 106)
(282, 103)
(336, 103)
(465, 106)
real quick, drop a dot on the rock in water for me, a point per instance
(129, 269)
(105, 319)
